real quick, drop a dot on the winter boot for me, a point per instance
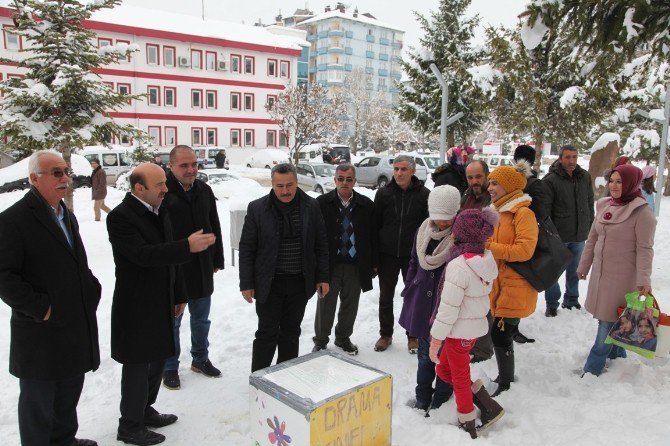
(490, 410)
(505, 360)
(466, 421)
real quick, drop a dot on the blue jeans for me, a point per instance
(199, 312)
(553, 294)
(425, 375)
(595, 362)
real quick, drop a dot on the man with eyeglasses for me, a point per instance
(45, 279)
(352, 251)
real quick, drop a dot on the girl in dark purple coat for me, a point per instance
(427, 262)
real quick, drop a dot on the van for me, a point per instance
(206, 156)
(115, 160)
(336, 154)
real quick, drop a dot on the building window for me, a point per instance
(123, 89)
(12, 41)
(125, 139)
(109, 85)
(271, 136)
(272, 67)
(248, 101)
(152, 54)
(169, 96)
(270, 102)
(154, 135)
(235, 137)
(235, 101)
(169, 56)
(248, 138)
(285, 69)
(210, 60)
(235, 63)
(154, 95)
(103, 41)
(211, 99)
(120, 46)
(283, 139)
(249, 63)
(196, 98)
(196, 59)
(170, 136)
(211, 137)
(196, 137)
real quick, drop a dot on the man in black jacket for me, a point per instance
(534, 188)
(192, 206)
(352, 250)
(570, 203)
(45, 279)
(400, 208)
(283, 261)
(149, 293)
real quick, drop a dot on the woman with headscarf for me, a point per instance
(647, 186)
(513, 240)
(619, 253)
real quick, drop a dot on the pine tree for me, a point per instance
(60, 103)
(447, 39)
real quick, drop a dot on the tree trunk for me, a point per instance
(666, 188)
(538, 152)
(451, 139)
(69, 195)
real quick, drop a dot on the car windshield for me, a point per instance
(218, 177)
(506, 162)
(432, 161)
(324, 171)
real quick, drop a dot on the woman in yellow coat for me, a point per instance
(513, 240)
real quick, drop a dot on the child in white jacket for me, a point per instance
(461, 316)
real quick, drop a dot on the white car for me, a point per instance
(213, 176)
(316, 177)
(267, 158)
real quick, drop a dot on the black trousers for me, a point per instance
(388, 270)
(343, 282)
(48, 411)
(484, 346)
(279, 319)
(139, 388)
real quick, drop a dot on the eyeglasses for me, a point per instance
(343, 179)
(58, 173)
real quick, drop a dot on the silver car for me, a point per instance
(317, 177)
(377, 171)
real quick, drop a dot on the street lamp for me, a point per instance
(445, 120)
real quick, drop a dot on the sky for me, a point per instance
(394, 12)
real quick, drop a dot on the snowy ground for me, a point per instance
(548, 405)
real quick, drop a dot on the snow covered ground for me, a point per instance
(548, 405)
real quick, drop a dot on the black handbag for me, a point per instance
(549, 261)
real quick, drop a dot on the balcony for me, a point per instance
(336, 47)
(348, 67)
(322, 50)
(335, 66)
(383, 56)
(322, 67)
(384, 41)
(369, 70)
(370, 54)
(336, 32)
(383, 72)
(323, 34)
(396, 74)
(312, 69)
(370, 38)
(349, 34)
(397, 44)
(348, 50)
(312, 38)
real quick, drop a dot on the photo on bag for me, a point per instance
(635, 330)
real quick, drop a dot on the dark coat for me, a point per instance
(148, 282)
(569, 201)
(363, 219)
(398, 215)
(98, 184)
(259, 246)
(446, 174)
(38, 269)
(220, 160)
(190, 215)
(482, 201)
(538, 192)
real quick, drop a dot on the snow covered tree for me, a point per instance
(447, 42)
(60, 102)
(306, 114)
(390, 130)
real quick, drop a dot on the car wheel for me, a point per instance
(249, 166)
(318, 189)
(382, 181)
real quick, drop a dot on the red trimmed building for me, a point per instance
(207, 82)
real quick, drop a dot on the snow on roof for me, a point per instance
(336, 13)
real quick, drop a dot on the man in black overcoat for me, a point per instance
(149, 293)
(45, 279)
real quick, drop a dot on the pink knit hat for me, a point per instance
(648, 172)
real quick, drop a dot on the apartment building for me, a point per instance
(207, 82)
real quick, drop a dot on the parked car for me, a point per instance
(115, 160)
(430, 161)
(316, 177)
(499, 160)
(309, 153)
(336, 154)
(213, 176)
(266, 158)
(377, 171)
(15, 176)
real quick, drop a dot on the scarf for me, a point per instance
(285, 210)
(426, 232)
(500, 202)
(631, 177)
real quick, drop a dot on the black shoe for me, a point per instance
(318, 347)
(84, 442)
(475, 359)
(159, 419)
(576, 306)
(142, 437)
(551, 312)
(520, 338)
(420, 405)
(347, 346)
(171, 380)
(206, 368)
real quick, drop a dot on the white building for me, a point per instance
(207, 82)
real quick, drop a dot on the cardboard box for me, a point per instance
(321, 399)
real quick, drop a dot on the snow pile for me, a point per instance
(605, 139)
(532, 36)
(571, 95)
(658, 114)
(484, 76)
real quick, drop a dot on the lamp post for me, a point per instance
(445, 120)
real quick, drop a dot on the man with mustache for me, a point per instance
(149, 293)
(45, 279)
(283, 261)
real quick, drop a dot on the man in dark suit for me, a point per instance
(283, 261)
(44, 277)
(149, 293)
(352, 250)
(192, 206)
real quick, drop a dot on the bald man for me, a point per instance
(149, 293)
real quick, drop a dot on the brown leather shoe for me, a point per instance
(412, 345)
(383, 343)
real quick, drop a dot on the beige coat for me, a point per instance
(619, 252)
